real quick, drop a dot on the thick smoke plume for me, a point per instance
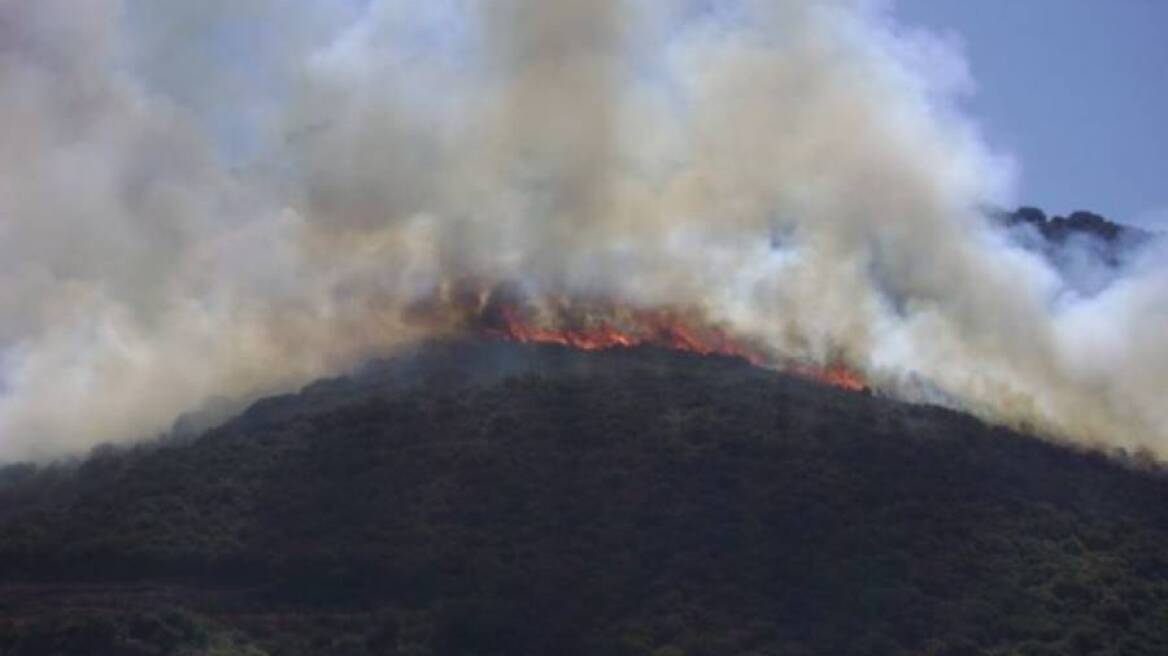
(230, 198)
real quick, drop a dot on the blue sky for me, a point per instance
(1077, 90)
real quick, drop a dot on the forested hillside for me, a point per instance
(488, 498)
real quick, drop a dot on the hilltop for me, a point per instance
(494, 498)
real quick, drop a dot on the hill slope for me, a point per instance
(478, 498)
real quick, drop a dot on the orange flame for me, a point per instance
(650, 328)
(834, 375)
(646, 328)
(505, 312)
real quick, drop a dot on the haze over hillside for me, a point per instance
(622, 327)
(210, 199)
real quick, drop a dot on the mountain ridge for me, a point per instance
(486, 497)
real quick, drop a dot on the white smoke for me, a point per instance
(229, 198)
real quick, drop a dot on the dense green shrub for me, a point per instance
(634, 502)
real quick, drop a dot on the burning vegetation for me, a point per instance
(502, 313)
(606, 328)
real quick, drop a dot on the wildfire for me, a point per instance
(597, 327)
(834, 375)
(638, 328)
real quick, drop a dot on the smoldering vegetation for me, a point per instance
(222, 199)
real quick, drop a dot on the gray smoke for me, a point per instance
(230, 198)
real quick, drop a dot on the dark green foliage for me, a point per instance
(499, 499)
